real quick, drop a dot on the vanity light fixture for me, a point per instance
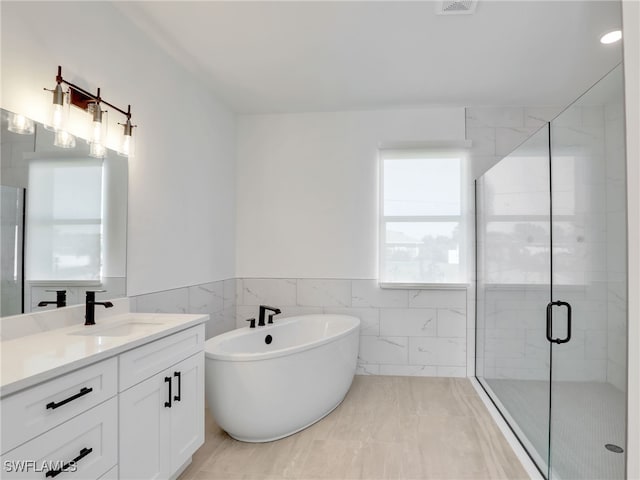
(611, 37)
(93, 104)
(59, 108)
(20, 124)
(127, 145)
(98, 130)
(64, 139)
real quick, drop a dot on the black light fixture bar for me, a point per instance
(82, 98)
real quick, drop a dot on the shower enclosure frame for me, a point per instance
(546, 465)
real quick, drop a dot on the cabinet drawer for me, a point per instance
(142, 362)
(33, 411)
(88, 443)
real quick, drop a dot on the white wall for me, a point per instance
(181, 182)
(631, 29)
(307, 187)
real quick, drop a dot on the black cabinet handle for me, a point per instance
(83, 453)
(83, 391)
(168, 380)
(550, 306)
(177, 397)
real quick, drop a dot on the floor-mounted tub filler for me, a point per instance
(269, 382)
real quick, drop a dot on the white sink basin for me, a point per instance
(121, 329)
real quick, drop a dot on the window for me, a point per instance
(64, 235)
(422, 223)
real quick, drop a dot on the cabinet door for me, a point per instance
(144, 430)
(187, 409)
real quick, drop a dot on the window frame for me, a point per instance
(462, 219)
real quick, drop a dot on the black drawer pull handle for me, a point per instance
(83, 391)
(83, 453)
(168, 380)
(177, 397)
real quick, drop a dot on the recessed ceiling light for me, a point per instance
(611, 37)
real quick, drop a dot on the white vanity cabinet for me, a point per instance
(135, 414)
(161, 417)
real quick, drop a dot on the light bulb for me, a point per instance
(64, 139)
(59, 110)
(96, 133)
(127, 143)
(611, 37)
(20, 124)
(56, 117)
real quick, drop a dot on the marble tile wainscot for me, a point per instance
(403, 332)
(218, 299)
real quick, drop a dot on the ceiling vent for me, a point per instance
(456, 7)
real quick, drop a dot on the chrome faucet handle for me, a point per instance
(253, 322)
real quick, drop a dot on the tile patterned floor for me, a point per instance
(586, 416)
(386, 428)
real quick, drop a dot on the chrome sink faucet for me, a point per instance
(90, 310)
(263, 308)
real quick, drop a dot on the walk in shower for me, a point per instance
(552, 288)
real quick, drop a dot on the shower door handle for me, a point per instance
(550, 306)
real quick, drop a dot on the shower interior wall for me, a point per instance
(513, 349)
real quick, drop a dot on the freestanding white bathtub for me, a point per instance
(269, 382)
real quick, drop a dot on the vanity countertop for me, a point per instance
(29, 360)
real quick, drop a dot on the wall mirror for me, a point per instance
(64, 219)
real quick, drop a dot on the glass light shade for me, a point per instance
(127, 146)
(97, 150)
(20, 124)
(59, 110)
(97, 133)
(127, 143)
(64, 139)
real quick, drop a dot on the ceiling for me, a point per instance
(300, 56)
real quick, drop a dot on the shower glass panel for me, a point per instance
(513, 282)
(12, 206)
(552, 288)
(588, 400)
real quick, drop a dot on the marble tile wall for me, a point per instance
(513, 338)
(218, 299)
(512, 341)
(33, 294)
(403, 332)
(496, 131)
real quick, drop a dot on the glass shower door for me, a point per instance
(587, 319)
(513, 282)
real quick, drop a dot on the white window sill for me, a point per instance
(424, 286)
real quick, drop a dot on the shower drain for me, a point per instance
(613, 448)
